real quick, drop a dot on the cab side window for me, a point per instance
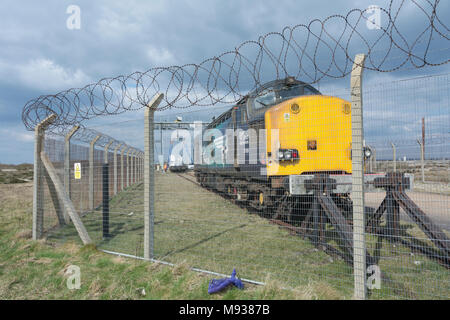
(265, 100)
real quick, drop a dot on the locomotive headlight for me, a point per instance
(288, 154)
(367, 152)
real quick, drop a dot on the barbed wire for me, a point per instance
(87, 135)
(322, 48)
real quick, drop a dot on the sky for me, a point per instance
(40, 55)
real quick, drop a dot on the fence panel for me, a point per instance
(409, 233)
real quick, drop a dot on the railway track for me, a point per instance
(189, 177)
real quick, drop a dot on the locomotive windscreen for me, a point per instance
(275, 95)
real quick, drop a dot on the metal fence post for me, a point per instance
(128, 167)
(38, 181)
(67, 166)
(359, 245)
(105, 200)
(136, 167)
(142, 166)
(132, 167)
(138, 174)
(91, 172)
(116, 149)
(149, 176)
(106, 151)
(122, 177)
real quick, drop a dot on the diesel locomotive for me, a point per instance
(265, 149)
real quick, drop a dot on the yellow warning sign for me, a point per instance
(77, 170)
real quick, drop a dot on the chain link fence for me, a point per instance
(318, 185)
(293, 225)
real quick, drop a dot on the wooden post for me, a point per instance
(38, 177)
(67, 166)
(149, 176)
(91, 172)
(359, 245)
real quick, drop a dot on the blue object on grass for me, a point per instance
(216, 285)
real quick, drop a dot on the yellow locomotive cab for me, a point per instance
(317, 127)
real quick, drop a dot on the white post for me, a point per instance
(67, 166)
(140, 166)
(128, 167)
(122, 177)
(135, 166)
(38, 178)
(106, 152)
(132, 163)
(116, 149)
(359, 245)
(149, 176)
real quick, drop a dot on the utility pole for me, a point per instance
(394, 156)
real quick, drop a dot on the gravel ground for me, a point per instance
(436, 206)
